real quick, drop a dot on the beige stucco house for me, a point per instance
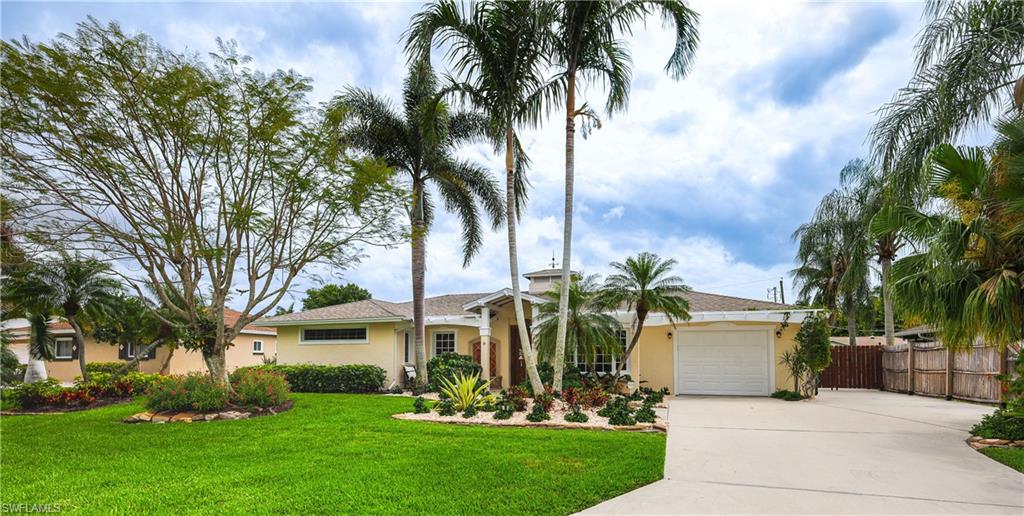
(250, 348)
(730, 346)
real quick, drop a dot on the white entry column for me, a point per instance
(485, 342)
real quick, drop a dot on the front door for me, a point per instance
(518, 372)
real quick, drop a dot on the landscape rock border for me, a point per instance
(194, 417)
(659, 426)
(978, 442)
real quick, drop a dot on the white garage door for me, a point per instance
(730, 361)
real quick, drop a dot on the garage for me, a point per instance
(725, 361)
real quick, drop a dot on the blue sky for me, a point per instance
(715, 170)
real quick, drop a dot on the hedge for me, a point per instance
(447, 365)
(355, 378)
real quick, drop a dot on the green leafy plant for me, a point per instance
(546, 399)
(36, 394)
(517, 396)
(197, 392)
(258, 388)
(447, 365)
(504, 409)
(466, 391)
(469, 412)
(538, 414)
(446, 408)
(783, 394)
(419, 406)
(575, 415)
(593, 397)
(103, 367)
(645, 414)
(354, 378)
(1001, 424)
(488, 406)
(811, 355)
(655, 398)
(618, 412)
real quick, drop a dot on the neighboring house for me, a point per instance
(250, 347)
(867, 340)
(730, 346)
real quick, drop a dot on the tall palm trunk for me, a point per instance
(890, 326)
(529, 357)
(641, 316)
(79, 343)
(851, 324)
(35, 371)
(419, 265)
(563, 300)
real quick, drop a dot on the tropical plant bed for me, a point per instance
(57, 409)
(557, 420)
(193, 417)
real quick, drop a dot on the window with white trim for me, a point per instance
(444, 342)
(355, 335)
(63, 349)
(257, 347)
(605, 363)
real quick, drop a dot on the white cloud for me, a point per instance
(614, 213)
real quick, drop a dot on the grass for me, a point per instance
(1013, 457)
(331, 453)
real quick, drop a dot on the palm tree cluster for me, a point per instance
(641, 285)
(958, 210)
(510, 64)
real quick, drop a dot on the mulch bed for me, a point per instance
(48, 410)
(194, 417)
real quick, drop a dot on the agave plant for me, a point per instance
(467, 391)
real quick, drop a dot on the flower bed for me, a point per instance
(463, 401)
(101, 389)
(193, 417)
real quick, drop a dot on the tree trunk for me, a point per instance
(890, 326)
(217, 364)
(851, 324)
(166, 366)
(529, 357)
(79, 343)
(419, 266)
(35, 371)
(563, 300)
(641, 316)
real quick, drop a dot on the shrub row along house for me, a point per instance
(250, 348)
(729, 346)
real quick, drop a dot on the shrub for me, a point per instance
(465, 391)
(655, 398)
(636, 395)
(258, 388)
(469, 412)
(571, 396)
(446, 408)
(420, 406)
(545, 399)
(783, 394)
(104, 367)
(570, 376)
(37, 394)
(618, 412)
(1001, 424)
(488, 406)
(593, 397)
(11, 369)
(504, 409)
(447, 365)
(355, 378)
(517, 396)
(194, 392)
(645, 414)
(538, 414)
(575, 415)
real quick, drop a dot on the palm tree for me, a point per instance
(592, 330)
(421, 142)
(587, 46)
(78, 289)
(872, 195)
(969, 56)
(643, 284)
(498, 51)
(968, 280)
(833, 257)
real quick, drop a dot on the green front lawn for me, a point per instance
(331, 453)
(1013, 457)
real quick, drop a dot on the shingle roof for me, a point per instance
(451, 305)
(706, 302)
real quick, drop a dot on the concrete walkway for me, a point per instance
(848, 452)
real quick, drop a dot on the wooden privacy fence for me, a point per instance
(854, 367)
(967, 375)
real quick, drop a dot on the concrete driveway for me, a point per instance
(848, 452)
